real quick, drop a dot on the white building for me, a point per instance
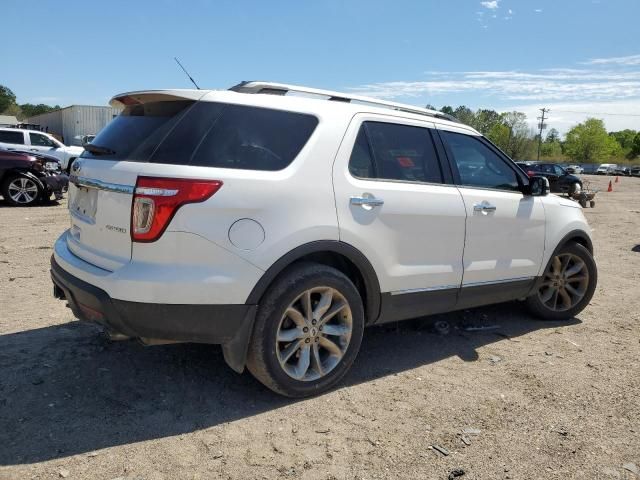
(72, 122)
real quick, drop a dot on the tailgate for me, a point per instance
(100, 195)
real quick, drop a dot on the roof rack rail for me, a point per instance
(282, 89)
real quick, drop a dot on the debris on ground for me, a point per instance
(632, 467)
(494, 359)
(458, 472)
(465, 440)
(63, 473)
(442, 327)
(479, 328)
(440, 449)
(471, 431)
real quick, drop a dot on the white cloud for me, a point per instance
(609, 85)
(510, 12)
(538, 10)
(491, 5)
(631, 60)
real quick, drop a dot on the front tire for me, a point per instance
(567, 286)
(307, 332)
(21, 191)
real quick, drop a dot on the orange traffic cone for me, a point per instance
(616, 179)
(610, 189)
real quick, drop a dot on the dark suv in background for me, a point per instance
(560, 181)
(27, 178)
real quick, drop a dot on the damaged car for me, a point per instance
(27, 178)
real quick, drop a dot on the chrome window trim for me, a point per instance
(86, 182)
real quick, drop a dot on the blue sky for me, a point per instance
(569, 55)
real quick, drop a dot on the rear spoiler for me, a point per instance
(145, 96)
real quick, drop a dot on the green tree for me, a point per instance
(7, 98)
(553, 136)
(589, 142)
(447, 109)
(30, 110)
(519, 136)
(485, 120)
(624, 137)
(464, 114)
(635, 147)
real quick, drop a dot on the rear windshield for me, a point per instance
(204, 134)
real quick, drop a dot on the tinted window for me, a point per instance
(138, 130)
(12, 137)
(478, 165)
(361, 163)
(237, 136)
(400, 152)
(40, 140)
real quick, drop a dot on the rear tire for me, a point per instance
(568, 284)
(307, 332)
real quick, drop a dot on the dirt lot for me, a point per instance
(547, 400)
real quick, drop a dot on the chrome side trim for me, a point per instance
(429, 289)
(449, 287)
(100, 185)
(497, 282)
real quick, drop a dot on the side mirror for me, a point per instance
(538, 186)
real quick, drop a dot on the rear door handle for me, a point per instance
(367, 201)
(484, 207)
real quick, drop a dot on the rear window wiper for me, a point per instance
(98, 150)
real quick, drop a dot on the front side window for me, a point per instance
(16, 138)
(39, 140)
(478, 165)
(390, 151)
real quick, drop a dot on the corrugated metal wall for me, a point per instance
(76, 120)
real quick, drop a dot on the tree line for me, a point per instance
(587, 142)
(8, 106)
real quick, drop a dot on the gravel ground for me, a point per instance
(526, 400)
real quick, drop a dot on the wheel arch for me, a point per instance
(342, 256)
(577, 236)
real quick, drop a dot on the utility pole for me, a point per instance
(542, 126)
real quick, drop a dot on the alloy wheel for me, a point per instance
(565, 282)
(23, 190)
(314, 333)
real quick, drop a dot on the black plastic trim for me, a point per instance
(229, 325)
(571, 235)
(479, 295)
(396, 307)
(371, 284)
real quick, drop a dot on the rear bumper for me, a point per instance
(228, 325)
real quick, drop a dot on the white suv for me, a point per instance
(279, 221)
(35, 141)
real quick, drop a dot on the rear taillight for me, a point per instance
(531, 173)
(156, 200)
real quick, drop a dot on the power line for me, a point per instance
(599, 113)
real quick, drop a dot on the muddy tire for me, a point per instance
(307, 332)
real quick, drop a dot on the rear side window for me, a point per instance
(390, 151)
(478, 165)
(206, 134)
(136, 133)
(17, 138)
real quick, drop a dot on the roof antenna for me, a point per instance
(186, 73)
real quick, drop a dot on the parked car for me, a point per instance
(281, 225)
(625, 171)
(560, 180)
(35, 141)
(635, 171)
(574, 169)
(27, 178)
(589, 169)
(607, 169)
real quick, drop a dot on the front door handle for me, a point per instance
(367, 201)
(484, 207)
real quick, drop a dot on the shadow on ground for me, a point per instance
(66, 390)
